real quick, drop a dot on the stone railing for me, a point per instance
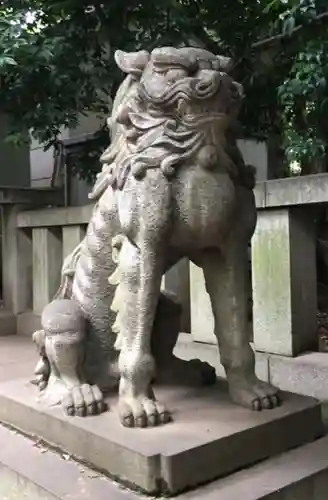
(15, 248)
(283, 269)
(283, 264)
(53, 233)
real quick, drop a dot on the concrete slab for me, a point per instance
(300, 474)
(32, 472)
(210, 437)
(306, 374)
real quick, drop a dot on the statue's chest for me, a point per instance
(204, 206)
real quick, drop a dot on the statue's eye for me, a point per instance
(175, 74)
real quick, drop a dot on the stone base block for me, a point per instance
(300, 474)
(209, 438)
(306, 374)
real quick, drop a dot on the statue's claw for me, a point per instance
(142, 412)
(41, 373)
(254, 394)
(84, 400)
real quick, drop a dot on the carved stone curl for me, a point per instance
(173, 185)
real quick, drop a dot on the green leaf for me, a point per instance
(7, 61)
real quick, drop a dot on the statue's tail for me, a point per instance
(67, 274)
(114, 279)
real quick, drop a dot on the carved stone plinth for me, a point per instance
(211, 437)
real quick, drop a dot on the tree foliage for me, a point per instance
(56, 60)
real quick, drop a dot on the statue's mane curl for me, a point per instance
(153, 125)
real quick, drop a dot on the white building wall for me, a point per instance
(255, 153)
(42, 162)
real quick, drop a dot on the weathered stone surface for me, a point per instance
(62, 216)
(72, 237)
(300, 474)
(306, 374)
(202, 320)
(34, 472)
(173, 185)
(311, 189)
(47, 262)
(210, 437)
(30, 196)
(284, 282)
(259, 193)
(16, 263)
(37, 473)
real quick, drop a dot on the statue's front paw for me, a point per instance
(41, 373)
(84, 400)
(142, 412)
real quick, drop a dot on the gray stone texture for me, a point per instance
(202, 320)
(171, 146)
(26, 470)
(306, 374)
(16, 254)
(47, 263)
(31, 471)
(310, 189)
(284, 282)
(300, 474)
(177, 456)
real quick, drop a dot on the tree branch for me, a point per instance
(266, 42)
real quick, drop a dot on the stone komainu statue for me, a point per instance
(173, 185)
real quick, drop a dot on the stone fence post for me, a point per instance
(17, 244)
(284, 281)
(284, 264)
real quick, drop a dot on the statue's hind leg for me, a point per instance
(226, 283)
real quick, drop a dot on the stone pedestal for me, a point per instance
(209, 438)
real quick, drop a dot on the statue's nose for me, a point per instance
(208, 76)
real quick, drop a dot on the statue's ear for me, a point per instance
(132, 62)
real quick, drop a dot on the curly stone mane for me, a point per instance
(164, 119)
